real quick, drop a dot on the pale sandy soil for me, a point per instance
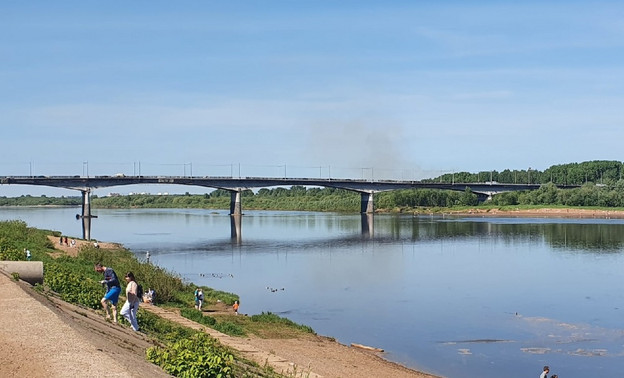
(73, 251)
(543, 213)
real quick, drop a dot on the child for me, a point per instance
(235, 307)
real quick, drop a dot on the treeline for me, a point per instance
(597, 171)
(28, 200)
(296, 198)
(588, 195)
(328, 199)
(602, 186)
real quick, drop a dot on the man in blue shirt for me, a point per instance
(112, 290)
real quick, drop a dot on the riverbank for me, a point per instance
(530, 212)
(35, 325)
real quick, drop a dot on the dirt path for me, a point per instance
(73, 250)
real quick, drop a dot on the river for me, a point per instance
(459, 297)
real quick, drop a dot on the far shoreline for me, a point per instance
(569, 213)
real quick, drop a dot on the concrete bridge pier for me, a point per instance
(367, 202)
(86, 214)
(86, 228)
(235, 202)
(236, 215)
(86, 203)
(484, 196)
(236, 228)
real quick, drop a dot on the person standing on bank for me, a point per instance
(112, 290)
(130, 308)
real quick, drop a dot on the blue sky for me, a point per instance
(366, 89)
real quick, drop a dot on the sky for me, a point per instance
(345, 89)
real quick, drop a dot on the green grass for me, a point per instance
(266, 325)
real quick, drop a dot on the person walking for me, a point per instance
(199, 298)
(235, 307)
(112, 290)
(130, 308)
(28, 255)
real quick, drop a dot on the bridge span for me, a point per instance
(236, 186)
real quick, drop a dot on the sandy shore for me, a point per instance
(540, 213)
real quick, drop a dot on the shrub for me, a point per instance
(10, 254)
(230, 329)
(198, 356)
(73, 287)
(197, 316)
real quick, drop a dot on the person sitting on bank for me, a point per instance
(149, 296)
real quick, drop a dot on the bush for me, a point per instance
(73, 287)
(230, 329)
(197, 316)
(225, 327)
(162, 329)
(10, 254)
(198, 356)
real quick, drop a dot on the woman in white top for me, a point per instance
(130, 308)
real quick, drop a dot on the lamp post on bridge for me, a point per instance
(134, 167)
(371, 170)
(190, 168)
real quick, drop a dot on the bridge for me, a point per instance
(366, 188)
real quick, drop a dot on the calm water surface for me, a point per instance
(459, 297)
